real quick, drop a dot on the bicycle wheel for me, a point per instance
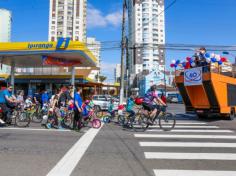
(141, 122)
(37, 117)
(68, 120)
(167, 121)
(22, 119)
(96, 123)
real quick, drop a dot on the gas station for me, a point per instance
(60, 55)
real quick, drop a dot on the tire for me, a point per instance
(22, 119)
(201, 116)
(121, 120)
(68, 120)
(96, 123)
(232, 114)
(167, 121)
(98, 111)
(37, 117)
(141, 122)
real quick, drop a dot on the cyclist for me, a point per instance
(129, 107)
(152, 103)
(7, 102)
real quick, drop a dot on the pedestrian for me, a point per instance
(77, 108)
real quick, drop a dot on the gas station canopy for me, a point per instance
(37, 54)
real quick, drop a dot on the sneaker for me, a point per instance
(48, 126)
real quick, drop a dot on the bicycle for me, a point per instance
(165, 119)
(91, 118)
(19, 116)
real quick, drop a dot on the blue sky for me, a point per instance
(188, 21)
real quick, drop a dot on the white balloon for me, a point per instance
(212, 55)
(217, 56)
(173, 61)
(193, 64)
(208, 60)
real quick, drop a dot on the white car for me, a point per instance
(102, 102)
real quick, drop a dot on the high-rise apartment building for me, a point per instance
(146, 36)
(67, 18)
(5, 25)
(5, 32)
(95, 47)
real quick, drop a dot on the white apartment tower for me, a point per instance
(95, 47)
(5, 25)
(67, 18)
(146, 35)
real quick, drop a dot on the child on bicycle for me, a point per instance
(130, 106)
(111, 108)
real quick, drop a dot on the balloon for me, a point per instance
(172, 65)
(187, 66)
(213, 60)
(208, 60)
(207, 55)
(212, 55)
(177, 62)
(193, 64)
(173, 61)
(217, 56)
(176, 65)
(184, 64)
(223, 59)
(188, 58)
(220, 62)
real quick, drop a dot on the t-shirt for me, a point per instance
(3, 94)
(149, 97)
(45, 98)
(130, 104)
(77, 98)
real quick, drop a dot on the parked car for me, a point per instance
(102, 102)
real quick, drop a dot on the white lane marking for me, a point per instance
(35, 129)
(190, 156)
(193, 173)
(174, 136)
(192, 131)
(190, 123)
(188, 144)
(185, 126)
(67, 164)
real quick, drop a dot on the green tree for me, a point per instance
(102, 78)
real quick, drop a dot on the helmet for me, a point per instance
(87, 102)
(138, 101)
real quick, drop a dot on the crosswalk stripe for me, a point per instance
(193, 173)
(185, 126)
(188, 144)
(190, 156)
(190, 123)
(184, 136)
(193, 131)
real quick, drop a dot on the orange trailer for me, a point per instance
(214, 95)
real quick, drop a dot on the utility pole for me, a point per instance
(122, 53)
(127, 68)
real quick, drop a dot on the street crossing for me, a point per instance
(197, 143)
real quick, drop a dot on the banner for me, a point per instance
(59, 62)
(193, 76)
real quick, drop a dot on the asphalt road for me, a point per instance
(203, 148)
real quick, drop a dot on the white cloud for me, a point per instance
(95, 18)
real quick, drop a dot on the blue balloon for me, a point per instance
(176, 65)
(207, 55)
(177, 62)
(184, 64)
(191, 61)
(220, 62)
(213, 60)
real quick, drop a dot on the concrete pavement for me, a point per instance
(194, 147)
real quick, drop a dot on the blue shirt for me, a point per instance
(3, 94)
(45, 98)
(78, 99)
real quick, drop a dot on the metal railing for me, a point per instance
(226, 69)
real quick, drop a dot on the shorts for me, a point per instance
(150, 107)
